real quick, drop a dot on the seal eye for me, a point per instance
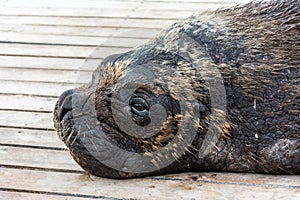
(139, 106)
(140, 110)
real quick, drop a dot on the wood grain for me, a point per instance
(140, 188)
(44, 50)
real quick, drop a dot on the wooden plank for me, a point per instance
(31, 195)
(195, 7)
(37, 158)
(81, 31)
(137, 13)
(40, 75)
(27, 137)
(146, 13)
(86, 22)
(146, 188)
(73, 4)
(155, 4)
(58, 51)
(67, 12)
(70, 40)
(201, 1)
(35, 88)
(57, 159)
(48, 63)
(30, 103)
(26, 119)
(95, 12)
(40, 63)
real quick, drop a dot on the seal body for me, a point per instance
(229, 78)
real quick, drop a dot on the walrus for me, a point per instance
(218, 91)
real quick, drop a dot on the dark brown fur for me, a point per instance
(256, 48)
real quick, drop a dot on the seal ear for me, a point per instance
(115, 57)
(111, 59)
(108, 61)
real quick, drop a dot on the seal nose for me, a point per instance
(64, 105)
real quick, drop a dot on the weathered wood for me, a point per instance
(10, 37)
(37, 158)
(33, 195)
(27, 137)
(40, 75)
(43, 49)
(58, 51)
(81, 31)
(158, 5)
(67, 12)
(98, 12)
(186, 6)
(26, 119)
(202, 1)
(35, 88)
(86, 22)
(73, 4)
(170, 188)
(48, 63)
(30, 103)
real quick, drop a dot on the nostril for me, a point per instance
(64, 105)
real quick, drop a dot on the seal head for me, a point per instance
(219, 91)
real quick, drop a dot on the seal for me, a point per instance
(218, 91)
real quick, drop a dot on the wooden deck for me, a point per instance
(43, 48)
